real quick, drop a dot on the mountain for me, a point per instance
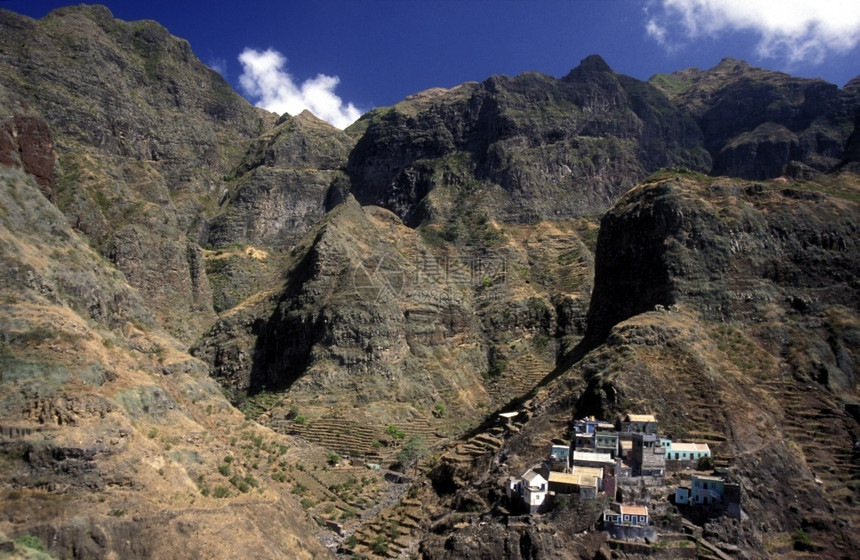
(527, 148)
(214, 319)
(760, 124)
(719, 314)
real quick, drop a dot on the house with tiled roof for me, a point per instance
(584, 482)
(625, 521)
(642, 423)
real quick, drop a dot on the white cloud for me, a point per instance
(265, 79)
(794, 30)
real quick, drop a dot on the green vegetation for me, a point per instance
(255, 405)
(675, 172)
(32, 542)
(742, 351)
(413, 450)
(498, 366)
(705, 464)
(279, 476)
(801, 541)
(669, 84)
(380, 545)
(395, 433)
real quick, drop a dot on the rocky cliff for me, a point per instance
(171, 254)
(114, 141)
(761, 124)
(714, 309)
(108, 429)
(533, 146)
(755, 291)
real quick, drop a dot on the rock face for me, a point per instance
(543, 147)
(753, 286)
(714, 309)
(435, 263)
(102, 413)
(25, 141)
(144, 134)
(756, 123)
(356, 321)
(851, 157)
(730, 249)
(286, 182)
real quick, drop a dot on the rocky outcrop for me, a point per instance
(355, 320)
(729, 249)
(851, 157)
(705, 292)
(88, 381)
(284, 185)
(143, 134)
(544, 147)
(26, 141)
(757, 122)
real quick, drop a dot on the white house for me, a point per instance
(590, 459)
(627, 515)
(531, 489)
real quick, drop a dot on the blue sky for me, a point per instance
(342, 57)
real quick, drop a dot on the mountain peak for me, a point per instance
(594, 63)
(732, 64)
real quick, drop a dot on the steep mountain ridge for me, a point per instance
(108, 428)
(285, 183)
(141, 195)
(578, 142)
(760, 124)
(143, 132)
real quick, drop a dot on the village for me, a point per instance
(627, 463)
